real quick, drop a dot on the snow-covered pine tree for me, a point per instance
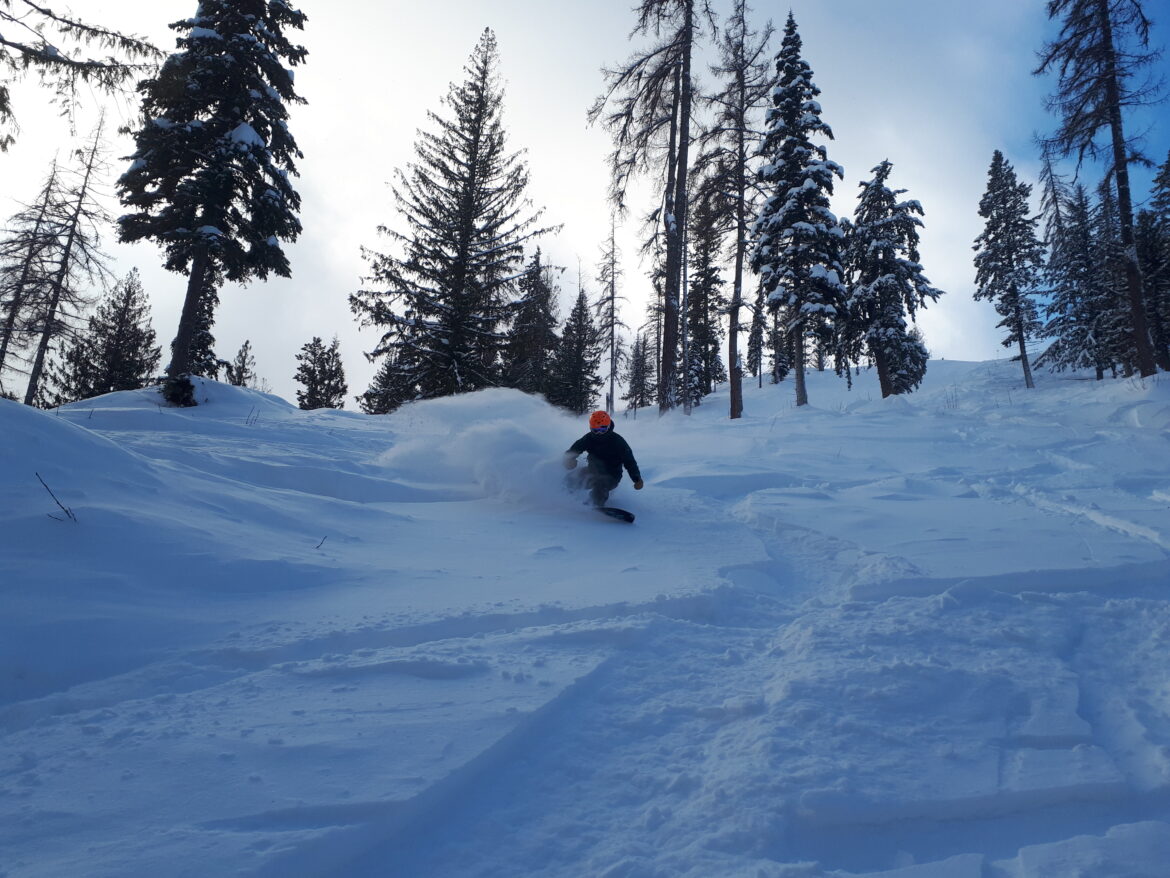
(1009, 258)
(1101, 51)
(322, 374)
(886, 283)
(1075, 301)
(575, 378)
(1153, 253)
(706, 303)
(796, 238)
(1112, 328)
(1155, 245)
(532, 337)
(117, 350)
(444, 301)
(38, 39)
(210, 177)
(730, 141)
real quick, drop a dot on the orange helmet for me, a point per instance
(599, 419)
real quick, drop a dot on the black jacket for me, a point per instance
(607, 452)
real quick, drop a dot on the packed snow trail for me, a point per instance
(917, 637)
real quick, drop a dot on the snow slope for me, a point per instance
(916, 637)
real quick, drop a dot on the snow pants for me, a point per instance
(596, 481)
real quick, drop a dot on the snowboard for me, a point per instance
(615, 513)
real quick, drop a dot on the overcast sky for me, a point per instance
(934, 87)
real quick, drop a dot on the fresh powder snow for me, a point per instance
(920, 637)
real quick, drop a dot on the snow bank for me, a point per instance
(912, 638)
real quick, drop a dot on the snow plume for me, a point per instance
(504, 443)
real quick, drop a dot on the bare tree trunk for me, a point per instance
(180, 364)
(675, 220)
(798, 365)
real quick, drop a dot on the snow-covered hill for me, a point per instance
(917, 637)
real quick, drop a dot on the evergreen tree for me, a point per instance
(887, 284)
(639, 375)
(651, 124)
(575, 378)
(1153, 253)
(705, 304)
(323, 375)
(796, 238)
(1112, 330)
(757, 336)
(1076, 302)
(446, 300)
(389, 389)
(1101, 51)
(116, 352)
(609, 322)
(730, 142)
(532, 338)
(210, 177)
(1156, 265)
(241, 371)
(1009, 258)
(35, 38)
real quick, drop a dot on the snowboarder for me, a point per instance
(608, 453)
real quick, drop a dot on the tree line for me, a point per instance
(752, 272)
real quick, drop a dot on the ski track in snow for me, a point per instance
(904, 638)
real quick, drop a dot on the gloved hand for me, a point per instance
(638, 485)
(570, 462)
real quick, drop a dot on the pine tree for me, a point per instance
(705, 304)
(210, 177)
(241, 371)
(116, 352)
(887, 285)
(35, 38)
(757, 336)
(389, 389)
(651, 124)
(575, 381)
(639, 376)
(1009, 258)
(1102, 47)
(1155, 246)
(609, 321)
(730, 142)
(532, 338)
(1076, 302)
(446, 300)
(796, 238)
(323, 375)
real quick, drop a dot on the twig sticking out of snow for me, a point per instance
(68, 512)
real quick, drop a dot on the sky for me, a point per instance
(932, 87)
